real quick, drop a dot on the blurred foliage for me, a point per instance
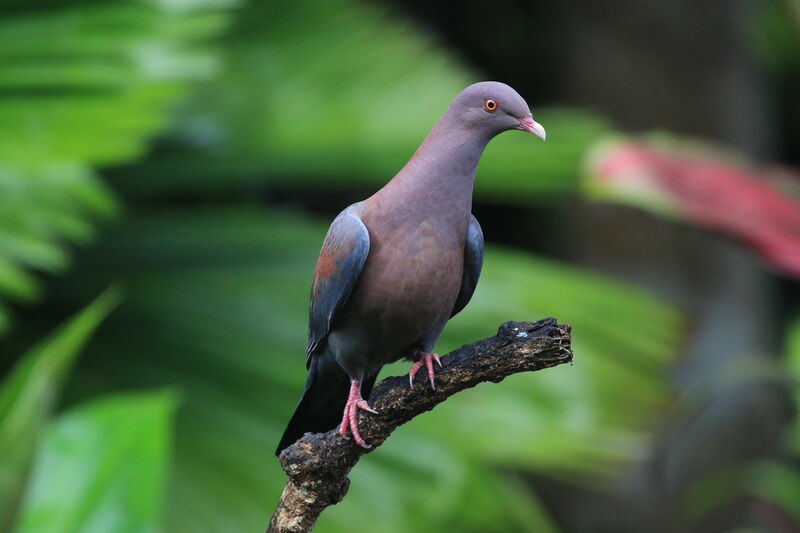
(768, 485)
(337, 94)
(776, 35)
(101, 468)
(777, 482)
(27, 396)
(111, 67)
(217, 307)
(217, 295)
(82, 83)
(40, 209)
(321, 96)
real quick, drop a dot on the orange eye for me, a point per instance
(490, 105)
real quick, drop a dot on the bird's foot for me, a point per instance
(350, 417)
(426, 359)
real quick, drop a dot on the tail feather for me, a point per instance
(322, 404)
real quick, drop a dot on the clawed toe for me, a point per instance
(362, 404)
(427, 360)
(350, 416)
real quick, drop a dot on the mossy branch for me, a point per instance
(318, 463)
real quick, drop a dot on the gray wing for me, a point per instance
(339, 266)
(473, 261)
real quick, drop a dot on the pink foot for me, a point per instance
(350, 417)
(426, 359)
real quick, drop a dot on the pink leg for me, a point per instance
(350, 416)
(426, 359)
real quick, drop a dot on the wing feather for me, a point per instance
(339, 266)
(473, 262)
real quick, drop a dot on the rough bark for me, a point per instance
(318, 464)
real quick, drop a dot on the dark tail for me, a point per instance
(322, 404)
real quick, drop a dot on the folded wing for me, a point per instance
(339, 266)
(473, 262)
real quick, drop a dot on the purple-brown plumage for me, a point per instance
(395, 267)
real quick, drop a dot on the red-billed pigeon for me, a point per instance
(395, 267)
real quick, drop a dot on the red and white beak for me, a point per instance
(531, 126)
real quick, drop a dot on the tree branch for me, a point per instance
(318, 463)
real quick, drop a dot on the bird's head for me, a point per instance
(494, 107)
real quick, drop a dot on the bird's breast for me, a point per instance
(411, 279)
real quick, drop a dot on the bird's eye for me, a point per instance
(490, 105)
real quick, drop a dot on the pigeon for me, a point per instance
(394, 268)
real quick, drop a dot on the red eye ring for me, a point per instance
(490, 105)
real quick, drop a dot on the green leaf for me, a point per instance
(98, 86)
(101, 468)
(28, 393)
(16, 283)
(40, 207)
(82, 84)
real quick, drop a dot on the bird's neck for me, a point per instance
(441, 174)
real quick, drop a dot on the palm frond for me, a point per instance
(82, 83)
